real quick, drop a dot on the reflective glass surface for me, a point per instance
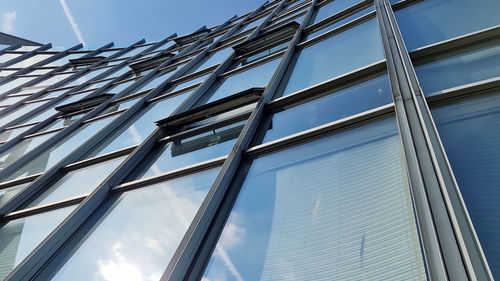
(327, 59)
(63, 148)
(431, 21)
(143, 125)
(335, 209)
(19, 237)
(23, 147)
(459, 70)
(470, 132)
(333, 7)
(193, 150)
(77, 182)
(334, 106)
(341, 21)
(217, 57)
(136, 234)
(258, 76)
(9, 192)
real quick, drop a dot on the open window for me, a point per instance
(190, 38)
(83, 104)
(150, 63)
(267, 43)
(82, 63)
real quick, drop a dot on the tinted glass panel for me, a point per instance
(258, 76)
(432, 21)
(335, 209)
(327, 59)
(341, 22)
(459, 70)
(142, 126)
(9, 192)
(22, 148)
(77, 182)
(19, 237)
(216, 58)
(333, 7)
(337, 105)
(136, 234)
(63, 148)
(470, 132)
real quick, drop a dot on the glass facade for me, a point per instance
(305, 140)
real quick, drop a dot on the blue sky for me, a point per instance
(97, 22)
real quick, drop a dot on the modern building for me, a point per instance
(306, 140)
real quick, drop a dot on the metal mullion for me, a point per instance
(195, 249)
(53, 86)
(99, 159)
(33, 67)
(33, 262)
(455, 253)
(10, 48)
(24, 56)
(475, 262)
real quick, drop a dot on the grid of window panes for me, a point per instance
(264, 148)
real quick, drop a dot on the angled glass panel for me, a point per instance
(333, 8)
(458, 70)
(19, 237)
(258, 76)
(48, 158)
(77, 182)
(432, 21)
(335, 209)
(253, 24)
(327, 59)
(182, 153)
(341, 21)
(332, 107)
(470, 132)
(216, 58)
(140, 127)
(23, 147)
(134, 235)
(7, 193)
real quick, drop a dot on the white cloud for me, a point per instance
(72, 22)
(7, 20)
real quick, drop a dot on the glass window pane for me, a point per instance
(20, 149)
(341, 22)
(136, 234)
(196, 149)
(216, 58)
(142, 126)
(470, 132)
(327, 59)
(63, 148)
(9, 192)
(77, 182)
(19, 237)
(334, 106)
(459, 70)
(335, 209)
(432, 21)
(333, 8)
(258, 76)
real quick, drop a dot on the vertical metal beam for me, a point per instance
(194, 251)
(24, 56)
(445, 249)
